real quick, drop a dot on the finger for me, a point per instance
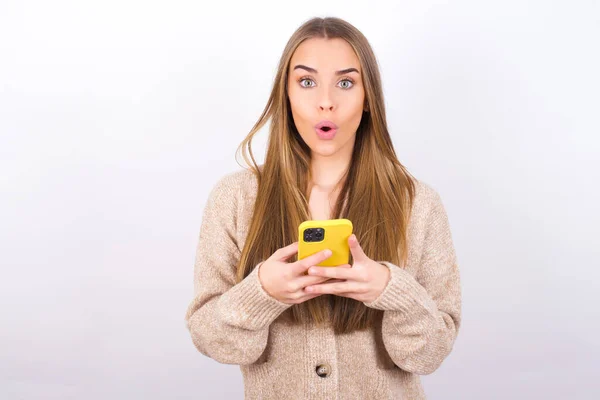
(304, 298)
(335, 272)
(286, 252)
(330, 280)
(334, 288)
(339, 266)
(301, 266)
(306, 280)
(357, 252)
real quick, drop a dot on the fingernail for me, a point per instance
(312, 271)
(327, 253)
(309, 289)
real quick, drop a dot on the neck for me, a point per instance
(327, 171)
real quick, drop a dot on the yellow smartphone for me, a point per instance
(332, 234)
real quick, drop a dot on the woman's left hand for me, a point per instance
(364, 281)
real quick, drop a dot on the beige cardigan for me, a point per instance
(242, 324)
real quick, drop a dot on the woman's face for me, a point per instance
(325, 85)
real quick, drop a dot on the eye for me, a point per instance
(348, 82)
(305, 79)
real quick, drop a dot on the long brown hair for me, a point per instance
(376, 194)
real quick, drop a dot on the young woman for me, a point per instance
(365, 330)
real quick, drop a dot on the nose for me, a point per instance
(325, 100)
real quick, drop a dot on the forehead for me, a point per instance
(325, 55)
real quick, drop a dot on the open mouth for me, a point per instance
(326, 130)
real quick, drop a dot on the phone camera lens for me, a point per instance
(319, 234)
(308, 235)
(314, 234)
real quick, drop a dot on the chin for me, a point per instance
(324, 148)
(324, 151)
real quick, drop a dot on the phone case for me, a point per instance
(335, 238)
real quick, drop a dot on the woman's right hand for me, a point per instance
(286, 281)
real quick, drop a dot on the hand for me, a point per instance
(365, 281)
(286, 281)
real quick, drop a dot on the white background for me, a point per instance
(117, 118)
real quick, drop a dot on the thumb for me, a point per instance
(286, 252)
(357, 252)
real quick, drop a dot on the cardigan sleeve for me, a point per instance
(228, 321)
(422, 314)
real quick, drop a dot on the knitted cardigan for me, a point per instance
(240, 323)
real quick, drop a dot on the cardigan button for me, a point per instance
(323, 370)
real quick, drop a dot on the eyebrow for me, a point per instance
(314, 71)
